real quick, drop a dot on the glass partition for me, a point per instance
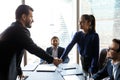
(52, 18)
(58, 18)
(107, 17)
(7, 14)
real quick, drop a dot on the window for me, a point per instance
(58, 17)
(52, 18)
(7, 14)
(107, 17)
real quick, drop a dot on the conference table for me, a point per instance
(63, 71)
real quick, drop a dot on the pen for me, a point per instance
(70, 68)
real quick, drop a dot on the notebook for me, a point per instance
(70, 69)
(71, 72)
(46, 68)
(71, 77)
(30, 67)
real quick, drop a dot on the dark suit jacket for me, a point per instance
(107, 72)
(13, 40)
(60, 51)
(19, 59)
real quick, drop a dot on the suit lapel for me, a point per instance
(59, 52)
(111, 70)
(51, 49)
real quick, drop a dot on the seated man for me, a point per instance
(112, 67)
(55, 50)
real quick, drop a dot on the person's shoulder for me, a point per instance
(95, 34)
(61, 47)
(108, 62)
(79, 33)
(15, 24)
(48, 47)
(11, 28)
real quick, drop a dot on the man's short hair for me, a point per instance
(22, 9)
(54, 37)
(118, 42)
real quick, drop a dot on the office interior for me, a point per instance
(60, 18)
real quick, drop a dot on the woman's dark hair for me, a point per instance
(102, 58)
(91, 19)
(22, 9)
(92, 23)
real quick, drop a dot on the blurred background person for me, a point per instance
(55, 50)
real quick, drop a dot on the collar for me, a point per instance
(116, 64)
(55, 47)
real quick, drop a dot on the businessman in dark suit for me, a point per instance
(16, 38)
(55, 50)
(112, 68)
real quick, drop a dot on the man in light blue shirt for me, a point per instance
(112, 67)
(115, 67)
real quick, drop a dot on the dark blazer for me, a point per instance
(60, 51)
(12, 41)
(19, 59)
(88, 47)
(107, 72)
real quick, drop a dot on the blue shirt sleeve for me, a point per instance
(69, 47)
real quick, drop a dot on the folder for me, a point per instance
(71, 77)
(70, 69)
(46, 68)
(30, 67)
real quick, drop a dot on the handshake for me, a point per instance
(57, 61)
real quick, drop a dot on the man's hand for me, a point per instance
(20, 77)
(57, 61)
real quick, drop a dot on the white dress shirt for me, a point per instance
(115, 68)
(55, 52)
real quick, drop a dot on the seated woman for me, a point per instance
(102, 58)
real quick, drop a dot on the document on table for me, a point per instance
(68, 66)
(70, 69)
(30, 67)
(71, 77)
(71, 72)
(46, 68)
